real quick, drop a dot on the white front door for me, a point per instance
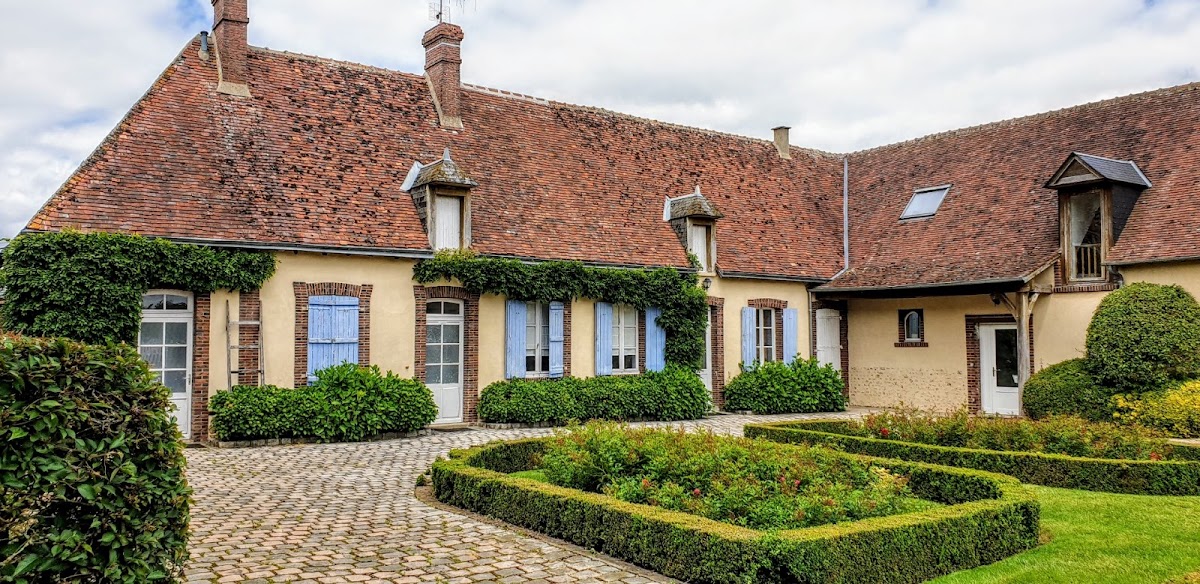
(1000, 391)
(165, 343)
(706, 372)
(444, 358)
(829, 337)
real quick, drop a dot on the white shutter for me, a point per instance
(829, 337)
(447, 231)
(698, 239)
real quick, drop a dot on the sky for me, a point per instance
(844, 75)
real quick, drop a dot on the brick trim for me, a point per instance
(470, 368)
(766, 303)
(249, 309)
(302, 291)
(902, 337)
(1097, 287)
(566, 338)
(843, 335)
(201, 324)
(641, 333)
(716, 312)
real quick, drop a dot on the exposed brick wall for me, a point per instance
(567, 338)
(641, 333)
(901, 340)
(303, 290)
(201, 323)
(470, 366)
(716, 313)
(843, 335)
(778, 305)
(249, 309)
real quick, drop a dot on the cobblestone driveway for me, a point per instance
(346, 513)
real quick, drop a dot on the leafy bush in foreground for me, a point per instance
(1174, 411)
(91, 467)
(1144, 336)
(1067, 388)
(802, 386)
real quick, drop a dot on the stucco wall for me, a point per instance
(392, 309)
(1186, 274)
(933, 377)
(1060, 324)
(737, 292)
(491, 339)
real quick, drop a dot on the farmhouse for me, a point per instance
(936, 272)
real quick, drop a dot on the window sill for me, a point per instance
(912, 344)
(625, 372)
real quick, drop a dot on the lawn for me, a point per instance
(1102, 537)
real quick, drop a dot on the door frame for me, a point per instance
(987, 359)
(183, 417)
(461, 320)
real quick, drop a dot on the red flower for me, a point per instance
(796, 483)
(645, 483)
(695, 492)
(1155, 456)
(884, 432)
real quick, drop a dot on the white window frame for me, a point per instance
(911, 213)
(764, 328)
(183, 415)
(537, 314)
(909, 338)
(439, 222)
(624, 317)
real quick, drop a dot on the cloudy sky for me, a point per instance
(845, 75)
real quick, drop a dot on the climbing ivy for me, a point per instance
(683, 303)
(89, 286)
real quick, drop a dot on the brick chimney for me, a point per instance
(230, 20)
(443, 62)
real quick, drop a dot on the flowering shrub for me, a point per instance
(1067, 435)
(755, 484)
(1175, 412)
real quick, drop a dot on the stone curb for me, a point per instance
(308, 440)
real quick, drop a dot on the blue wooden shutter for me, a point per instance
(656, 341)
(749, 339)
(556, 339)
(604, 315)
(332, 332)
(514, 339)
(791, 334)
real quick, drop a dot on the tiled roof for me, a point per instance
(317, 156)
(998, 221)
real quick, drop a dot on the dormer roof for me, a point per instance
(1082, 169)
(444, 172)
(691, 205)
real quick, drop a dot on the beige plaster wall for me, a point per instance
(491, 339)
(583, 338)
(737, 292)
(1060, 324)
(1186, 274)
(392, 309)
(933, 377)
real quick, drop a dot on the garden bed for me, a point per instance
(1173, 471)
(967, 518)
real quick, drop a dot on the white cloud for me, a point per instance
(845, 75)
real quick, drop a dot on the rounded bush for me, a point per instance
(1143, 336)
(1067, 388)
(802, 386)
(529, 401)
(91, 467)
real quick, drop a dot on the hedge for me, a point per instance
(1067, 388)
(1145, 477)
(802, 386)
(1144, 336)
(346, 403)
(92, 484)
(988, 518)
(675, 393)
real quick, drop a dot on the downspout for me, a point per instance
(845, 218)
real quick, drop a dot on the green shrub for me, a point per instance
(1143, 336)
(92, 486)
(802, 386)
(1174, 411)
(676, 393)
(1067, 388)
(755, 484)
(997, 518)
(1178, 476)
(347, 402)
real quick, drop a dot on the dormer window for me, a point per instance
(700, 245)
(925, 202)
(1096, 196)
(447, 222)
(441, 192)
(693, 217)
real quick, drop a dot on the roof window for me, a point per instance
(925, 202)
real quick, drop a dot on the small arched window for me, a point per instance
(913, 327)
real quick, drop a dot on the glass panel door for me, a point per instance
(165, 343)
(444, 359)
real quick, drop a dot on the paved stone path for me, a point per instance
(323, 513)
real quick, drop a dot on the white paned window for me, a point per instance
(764, 331)
(925, 202)
(448, 222)
(537, 338)
(624, 339)
(700, 245)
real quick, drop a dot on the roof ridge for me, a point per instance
(335, 62)
(1190, 86)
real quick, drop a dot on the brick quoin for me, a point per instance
(303, 290)
(716, 315)
(249, 309)
(470, 367)
(843, 335)
(201, 319)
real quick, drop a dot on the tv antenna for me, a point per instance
(439, 10)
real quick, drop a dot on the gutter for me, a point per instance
(752, 276)
(991, 281)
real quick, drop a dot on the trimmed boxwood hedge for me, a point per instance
(1145, 477)
(675, 393)
(988, 518)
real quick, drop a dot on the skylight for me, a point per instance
(925, 202)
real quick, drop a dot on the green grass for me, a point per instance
(1103, 538)
(535, 475)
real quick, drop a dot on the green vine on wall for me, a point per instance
(684, 304)
(89, 286)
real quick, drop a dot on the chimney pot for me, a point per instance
(443, 71)
(230, 21)
(782, 141)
